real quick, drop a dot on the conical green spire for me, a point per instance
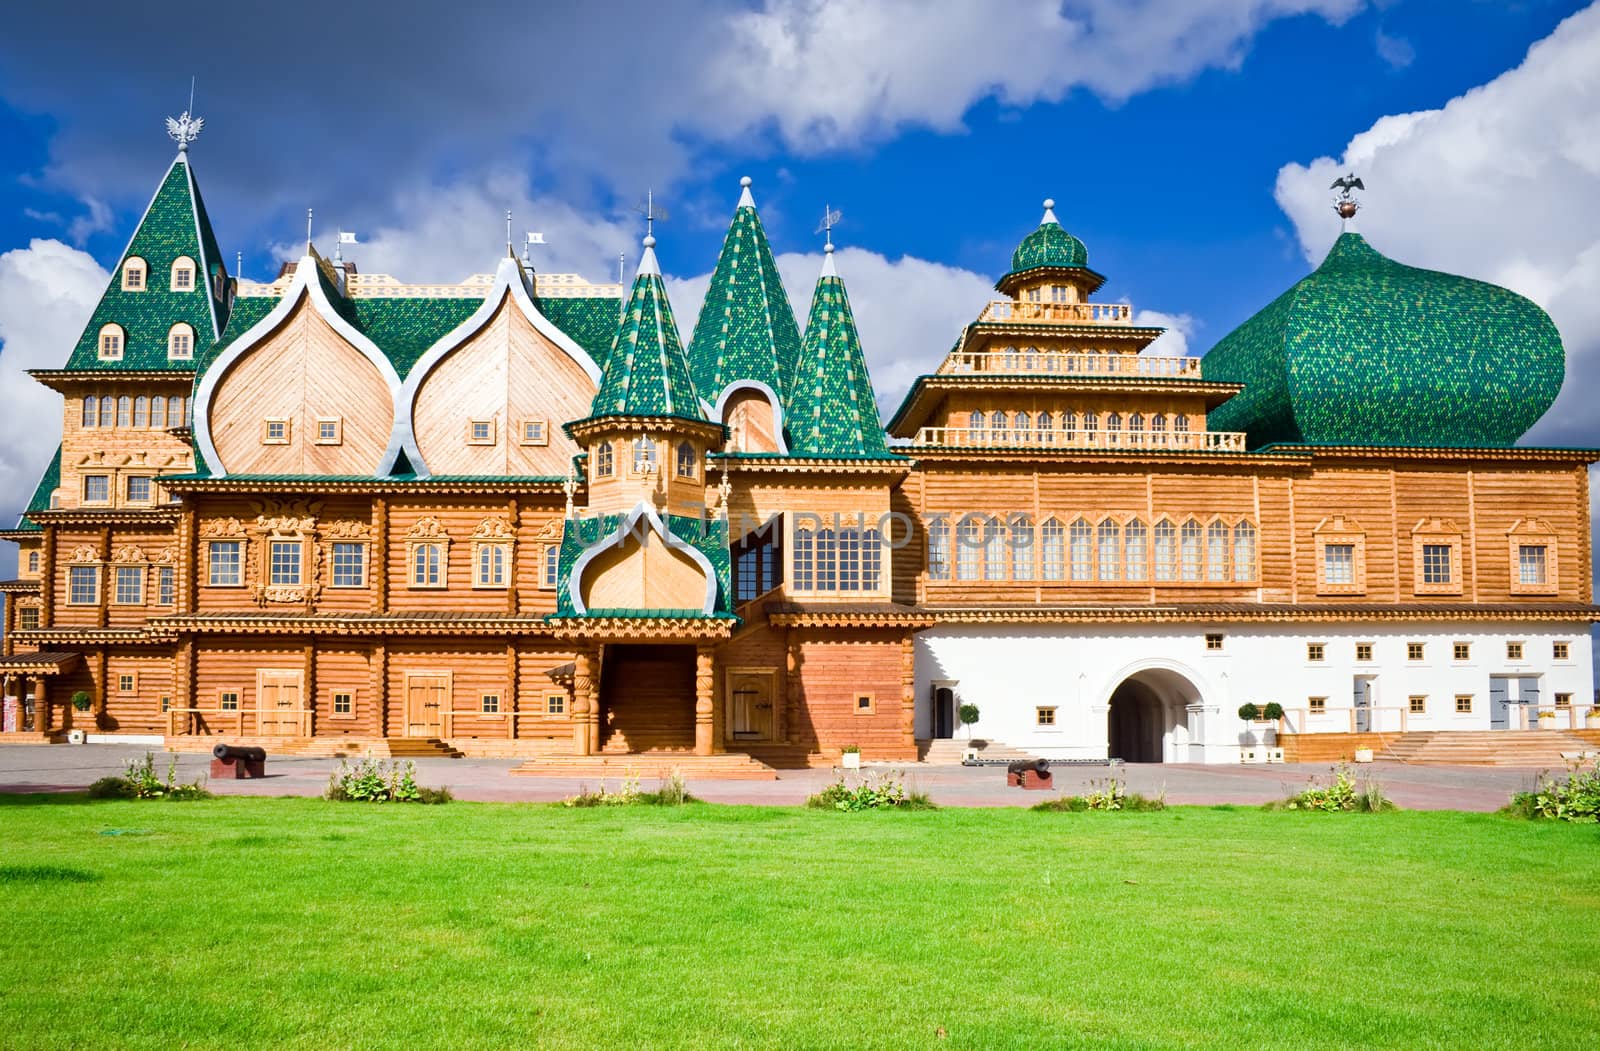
(175, 225)
(832, 408)
(746, 329)
(647, 373)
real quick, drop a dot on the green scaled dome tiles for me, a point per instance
(1049, 245)
(833, 411)
(1367, 351)
(647, 372)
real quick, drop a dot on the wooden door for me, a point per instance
(278, 696)
(750, 696)
(427, 697)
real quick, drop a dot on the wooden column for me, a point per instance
(794, 691)
(183, 680)
(47, 578)
(108, 581)
(380, 685)
(103, 687)
(188, 568)
(705, 735)
(380, 555)
(512, 688)
(514, 520)
(308, 695)
(908, 694)
(41, 704)
(6, 643)
(582, 700)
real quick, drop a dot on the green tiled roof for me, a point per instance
(48, 483)
(591, 321)
(709, 538)
(174, 225)
(746, 329)
(646, 372)
(1367, 351)
(1049, 245)
(832, 410)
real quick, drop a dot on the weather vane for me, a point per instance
(830, 219)
(185, 129)
(652, 213)
(1347, 205)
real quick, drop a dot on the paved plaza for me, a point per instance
(61, 768)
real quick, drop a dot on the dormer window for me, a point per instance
(180, 343)
(603, 462)
(111, 340)
(688, 463)
(134, 272)
(183, 274)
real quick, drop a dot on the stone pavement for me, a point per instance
(57, 768)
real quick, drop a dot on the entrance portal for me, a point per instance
(647, 698)
(1148, 719)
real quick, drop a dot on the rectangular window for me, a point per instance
(1463, 704)
(535, 432)
(275, 432)
(284, 558)
(1213, 642)
(491, 566)
(1532, 564)
(427, 570)
(166, 586)
(864, 705)
(1462, 651)
(125, 683)
(130, 586)
(330, 430)
(182, 279)
(349, 565)
(344, 703)
(138, 489)
(83, 585)
(28, 618)
(550, 573)
(1560, 651)
(1317, 705)
(97, 489)
(491, 704)
(228, 700)
(33, 567)
(1417, 704)
(180, 347)
(1513, 651)
(1363, 651)
(1414, 651)
(1436, 568)
(1563, 700)
(1338, 563)
(555, 703)
(1315, 651)
(110, 346)
(226, 562)
(480, 432)
(1044, 716)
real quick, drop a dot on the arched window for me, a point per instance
(1082, 538)
(179, 410)
(91, 410)
(1091, 429)
(969, 540)
(976, 423)
(1047, 425)
(426, 566)
(604, 460)
(1052, 550)
(994, 549)
(939, 549)
(1216, 552)
(1030, 360)
(1023, 425)
(1136, 550)
(998, 427)
(108, 411)
(644, 456)
(111, 338)
(805, 559)
(1021, 547)
(1158, 429)
(1192, 551)
(134, 272)
(1180, 423)
(827, 560)
(1069, 424)
(688, 463)
(158, 412)
(1166, 551)
(183, 274)
(1091, 361)
(141, 411)
(1136, 429)
(180, 343)
(1114, 428)
(1244, 552)
(1110, 550)
(124, 411)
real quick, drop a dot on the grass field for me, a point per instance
(298, 923)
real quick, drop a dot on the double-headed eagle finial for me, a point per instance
(184, 130)
(1347, 205)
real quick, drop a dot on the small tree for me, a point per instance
(83, 700)
(1273, 711)
(1249, 712)
(968, 714)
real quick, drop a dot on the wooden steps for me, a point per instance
(1331, 747)
(1547, 748)
(945, 751)
(726, 766)
(323, 747)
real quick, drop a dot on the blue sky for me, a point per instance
(1188, 142)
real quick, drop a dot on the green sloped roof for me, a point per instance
(833, 411)
(646, 372)
(746, 329)
(175, 224)
(1367, 351)
(49, 481)
(709, 538)
(591, 321)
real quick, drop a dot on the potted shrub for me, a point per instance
(968, 714)
(1248, 750)
(1249, 712)
(850, 757)
(82, 703)
(1547, 718)
(1593, 718)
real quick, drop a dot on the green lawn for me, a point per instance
(298, 923)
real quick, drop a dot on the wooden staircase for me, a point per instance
(724, 766)
(1544, 748)
(946, 751)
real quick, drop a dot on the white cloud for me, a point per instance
(1174, 342)
(1396, 51)
(47, 291)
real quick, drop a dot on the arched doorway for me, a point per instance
(1148, 717)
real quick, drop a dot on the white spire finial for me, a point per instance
(647, 261)
(510, 251)
(308, 231)
(746, 200)
(1049, 212)
(830, 218)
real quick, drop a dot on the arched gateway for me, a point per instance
(1147, 718)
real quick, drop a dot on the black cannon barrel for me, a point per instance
(247, 753)
(1022, 766)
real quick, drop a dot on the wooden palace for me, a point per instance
(520, 516)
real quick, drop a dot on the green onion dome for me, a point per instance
(1367, 351)
(1048, 247)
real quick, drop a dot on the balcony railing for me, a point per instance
(1157, 441)
(1058, 313)
(1029, 361)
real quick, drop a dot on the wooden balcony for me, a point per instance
(1009, 310)
(1029, 361)
(1114, 441)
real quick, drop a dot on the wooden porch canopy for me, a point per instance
(42, 663)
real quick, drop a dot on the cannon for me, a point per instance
(1031, 774)
(238, 761)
